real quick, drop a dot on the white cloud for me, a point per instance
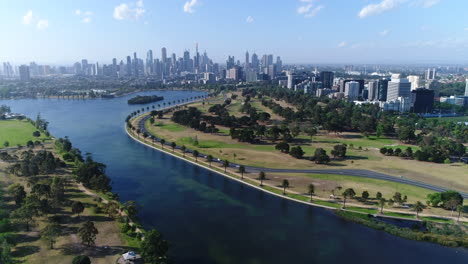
(375, 9)
(85, 16)
(28, 18)
(308, 10)
(384, 32)
(86, 20)
(466, 29)
(189, 6)
(129, 11)
(249, 19)
(425, 3)
(342, 44)
(42, 24)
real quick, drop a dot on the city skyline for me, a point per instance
(366, 32)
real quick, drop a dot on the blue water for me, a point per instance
(211, 219)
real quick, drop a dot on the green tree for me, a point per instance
(6, 144)
(418, 207)
(162, 141)
(311, 132)
(378, 195)
(348, 193)
(225, 164)
(26, 214)
(242, 171)
(460, 210)
(390, 202)
(339, 151)
(50, 233)
(209, 158)
(18, 193)
(81, 260)
(195, 155)
(77, 208)
(365, 195)
(184, 149)
(154, 248)
(112, 209)
(88, 232)
(173, 146)
(397, 198)
(132, 208)
(382, 204)
(5, 254)
(311, 190)
(283, 147)
(285, 185)
(262, 177)
(297, 152)
(320, 156)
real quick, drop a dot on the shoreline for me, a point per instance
(100, 98)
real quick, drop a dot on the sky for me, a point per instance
(300, 31)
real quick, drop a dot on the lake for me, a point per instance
(208, 218)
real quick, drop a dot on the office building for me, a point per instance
(290, 76)
(24, 73)
(466, 88)
(431, 74)
(422, 100)
(272, 71)
(415, 82)
(398, 87)
(372, 87)
(352, 90)
(326, 78)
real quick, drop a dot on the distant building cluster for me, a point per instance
(393, 92)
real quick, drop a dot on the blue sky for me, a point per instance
(300, 31)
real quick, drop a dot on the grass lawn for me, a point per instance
(171, 127)
(400, 215)
(17, 132)
(362, 210)
(437, 219)
(326, 182)
(220, 145)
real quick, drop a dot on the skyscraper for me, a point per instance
(290, 79)
(372, 87)
(422, 100)
(129, 66)
(326, 77)
(382, 90)
(255, 62)
(352, 90)
(149, 62)
(279, 64)
(431, 74)
(247, 57)
(24, 73)
(135, 64)
(398, 87)
(163, 55)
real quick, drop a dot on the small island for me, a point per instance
(145, 99)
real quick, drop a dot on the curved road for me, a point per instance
(344, 172)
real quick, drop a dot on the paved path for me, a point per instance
(344, 172)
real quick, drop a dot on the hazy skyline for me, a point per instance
(300, 31)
